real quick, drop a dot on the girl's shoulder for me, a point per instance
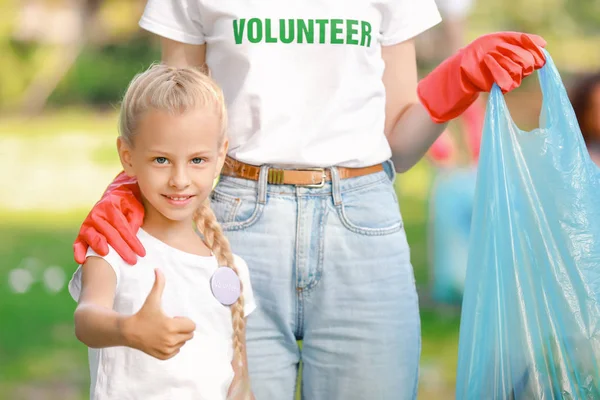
(112, 260)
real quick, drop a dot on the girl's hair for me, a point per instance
(214, 238)
(179, 90)
(170, 89)
(581, 101)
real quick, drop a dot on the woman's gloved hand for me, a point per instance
(504, 58)
(114, 220)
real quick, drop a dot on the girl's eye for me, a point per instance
(161, 160)
(197, 160)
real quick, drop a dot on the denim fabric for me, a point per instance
(330, 266)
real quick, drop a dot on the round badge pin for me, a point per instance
(225, 285)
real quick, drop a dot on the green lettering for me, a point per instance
(322, 23)
(289, 38)
(366, 34)
(336, 30)
(303, 31)
(238, 30)
(351, 30)
(255, 30)
(306, 31)
(268, 37)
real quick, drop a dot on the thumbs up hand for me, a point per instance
(151, 331)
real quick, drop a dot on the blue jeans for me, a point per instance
(330, 266)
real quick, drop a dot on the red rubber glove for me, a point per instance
(114, 220)
(504, 58)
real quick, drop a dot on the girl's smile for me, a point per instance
(179, 200)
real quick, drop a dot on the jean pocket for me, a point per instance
(371, 210)
(235, 208)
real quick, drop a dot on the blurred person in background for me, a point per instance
(454, 155)
(585, 98)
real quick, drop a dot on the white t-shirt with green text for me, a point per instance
(302, 79)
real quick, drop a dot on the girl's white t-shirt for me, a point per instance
(202, 369)
(302, 79)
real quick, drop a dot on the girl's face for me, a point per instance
(175, 157)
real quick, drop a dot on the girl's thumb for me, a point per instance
(155, 295)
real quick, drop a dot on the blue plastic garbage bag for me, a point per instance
(451, 206)
(530, 326)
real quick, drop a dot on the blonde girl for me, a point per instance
(176, 332)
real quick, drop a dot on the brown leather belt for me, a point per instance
(309, 177)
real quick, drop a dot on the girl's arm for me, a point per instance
(96, 324)
(408, 126)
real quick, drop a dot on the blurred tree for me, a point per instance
(65, 28)
(570, 16)
(586, 13)
(102, 73)
(571, 27)
(68, 27)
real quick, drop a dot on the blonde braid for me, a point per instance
(214, 238)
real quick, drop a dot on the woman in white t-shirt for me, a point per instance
(323, 105)
(177, 332)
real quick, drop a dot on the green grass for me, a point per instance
(76, 119)
(37, 344)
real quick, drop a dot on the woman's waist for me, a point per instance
(298, 152)
(298, 182)
(296, 174)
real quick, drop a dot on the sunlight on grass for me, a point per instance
(52, 122)
(63, 171)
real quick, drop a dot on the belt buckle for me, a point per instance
(315, 185)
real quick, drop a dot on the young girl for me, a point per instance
(176, 332)
(323, 104)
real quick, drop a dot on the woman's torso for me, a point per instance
(303, 80)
